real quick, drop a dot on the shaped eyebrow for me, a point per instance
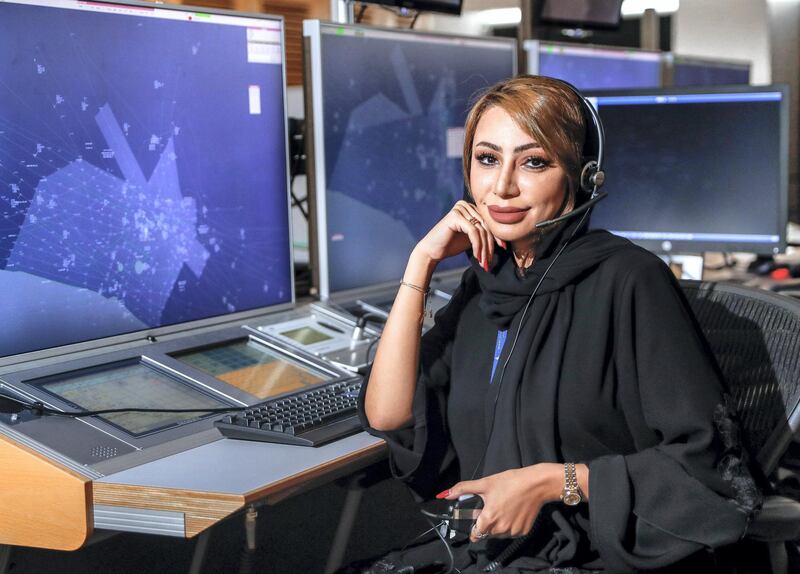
(518, 149)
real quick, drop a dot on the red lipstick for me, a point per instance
(507, 215)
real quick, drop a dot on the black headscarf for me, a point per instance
(520, 418)
(505, 293)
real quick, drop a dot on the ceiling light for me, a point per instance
(500, 17)
(637, 7)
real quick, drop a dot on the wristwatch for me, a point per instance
(571, 495)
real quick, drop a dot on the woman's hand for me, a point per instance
(461, 228)
(512, 499)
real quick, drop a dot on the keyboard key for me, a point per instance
(311, 418)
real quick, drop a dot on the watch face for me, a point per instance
(572, 498)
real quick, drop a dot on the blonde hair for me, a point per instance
(548, 111)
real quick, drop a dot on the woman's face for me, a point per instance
(514, 182)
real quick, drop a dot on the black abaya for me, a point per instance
(608, 370)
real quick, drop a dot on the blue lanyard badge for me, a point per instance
(498, 350)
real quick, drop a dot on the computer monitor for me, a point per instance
(144, 170)
(595, 67)
(689, 71)
(582, 13)
(388, 111)
(696, 170)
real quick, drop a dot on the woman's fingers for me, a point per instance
(464, 218)
(473, 218)
(491, 239)
(465, 487)
(476, 233)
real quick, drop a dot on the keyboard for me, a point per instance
(309, 418)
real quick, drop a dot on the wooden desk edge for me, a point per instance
(45, 505)
(203, 509)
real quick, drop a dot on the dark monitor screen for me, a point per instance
(446, 6)
(687, 72)
(132, 386)
(595, 68)
(143, 179)
(696, 171)
(389, 111)
(582, 13)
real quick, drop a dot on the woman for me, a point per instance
(602, 369)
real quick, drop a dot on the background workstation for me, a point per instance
(233, 474)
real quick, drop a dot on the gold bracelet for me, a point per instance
(426, 307)
(417, 288)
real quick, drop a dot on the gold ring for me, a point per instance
(475, 221)
(480, 535)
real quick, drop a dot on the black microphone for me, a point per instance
(361, 323)
(577, 211)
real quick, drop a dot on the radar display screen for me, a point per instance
(143, 180)
(393, 112)
(253, 368)
(306, 335)
(131, 386)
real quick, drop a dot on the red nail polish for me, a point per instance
(443, 494)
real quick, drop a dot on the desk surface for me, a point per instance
(183, 494)
(240, 467)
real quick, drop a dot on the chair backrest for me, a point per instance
(755, 338)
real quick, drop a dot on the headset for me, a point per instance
(592, 175)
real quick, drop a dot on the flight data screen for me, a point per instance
(142, 169)
(253, 368)
(132, 386)
(306, 335)
(394, 107)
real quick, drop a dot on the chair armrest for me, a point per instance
(778, 521)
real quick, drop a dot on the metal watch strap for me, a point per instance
(571, 495)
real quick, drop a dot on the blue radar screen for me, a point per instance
(394, 113)
(142, 170)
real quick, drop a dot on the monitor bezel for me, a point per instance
(682, 247)
(315, 144)
(532, 49)
(155, 332)
(671, 60)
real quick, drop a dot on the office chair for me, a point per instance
(755, 338)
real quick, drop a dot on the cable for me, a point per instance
(369, 350)
(435, 515)
(450, 558)
(362, 321)
(298, 157)
(728, 261)
(39, 408)
(360, 15)
(516, 338)
(298, 202)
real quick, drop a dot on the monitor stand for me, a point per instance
(685, 266)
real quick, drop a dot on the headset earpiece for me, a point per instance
(592, 177)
